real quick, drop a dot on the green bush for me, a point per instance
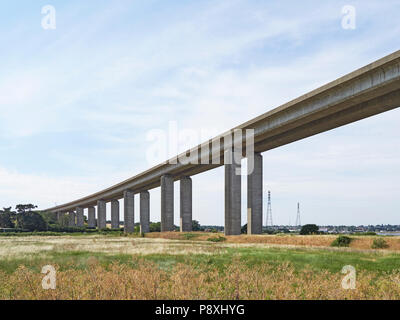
(341, 241)
(379, 244)
(155, 227)
(217, 239)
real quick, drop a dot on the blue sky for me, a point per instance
(77, 103)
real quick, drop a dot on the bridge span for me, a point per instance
(365, 92)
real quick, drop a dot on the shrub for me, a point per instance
(155, 227)
(341, 241)
(217, 239)
(379, 244)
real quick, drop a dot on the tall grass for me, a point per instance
(238, 281)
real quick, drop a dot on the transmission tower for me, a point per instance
(298, 221)
(269, 211)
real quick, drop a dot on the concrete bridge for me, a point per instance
(365, 92)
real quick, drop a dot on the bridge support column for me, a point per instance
(167, 203)
(92, 217)
(186, 204)
(129, 212)
(101, 214)
(79, 217)
(71, 221)
(233, 197)
(115, 214)
(254, 196)
(59, 217)
(144, 212)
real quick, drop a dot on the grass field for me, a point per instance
(167, 266)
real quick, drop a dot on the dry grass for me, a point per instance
(18, 247)
(238, 281)
(12, 247)
(359, 242)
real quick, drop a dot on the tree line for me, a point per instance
(25, 218)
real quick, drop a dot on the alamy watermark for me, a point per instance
(349, 281)
(49, 280)
(349, 17)
(49, 17)
(229, 148)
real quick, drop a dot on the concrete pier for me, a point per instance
(115, 214)
(79, 217)
(144, 212)
(92, 217)
(167, 203)
(71, 221)
(60, 216)
(101, 214)
(255, 196)
(233, 200)
(186, 204)
(129, 212)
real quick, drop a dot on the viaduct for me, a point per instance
(365, 92)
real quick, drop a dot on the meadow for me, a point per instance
(188, 266)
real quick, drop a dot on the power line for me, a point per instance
(298, 221)
(269, 211)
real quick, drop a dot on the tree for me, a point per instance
(196, 226)
(21, 208)
(49, 217)
(6, 220)
(309, 229)
(31, 221)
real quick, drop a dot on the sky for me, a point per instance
(79, 103)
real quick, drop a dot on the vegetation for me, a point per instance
(369, 233)
(98, 267)
(155, 226)
(309, 229)
(379, 244)
(146, 280)
(341, 241)
(196, 226)
(6, 218)
(24, 218)
(189, 236)
(217, 239)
